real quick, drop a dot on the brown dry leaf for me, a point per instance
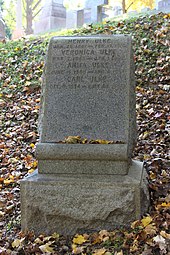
(72, 139)
(150, 229)
(119, 253)
(135, 224)
(101, 251)
(104, 235)
(134, 246)
(164, 234)
(95, 238)
(77, 250)
(2, 214)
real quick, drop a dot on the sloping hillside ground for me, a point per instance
(21, 67)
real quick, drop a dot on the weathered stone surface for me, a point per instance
(89, 90)
(68, 204)
(82, 158)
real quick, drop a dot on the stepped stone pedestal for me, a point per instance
(88, 91)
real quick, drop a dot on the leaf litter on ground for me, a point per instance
(21, 69)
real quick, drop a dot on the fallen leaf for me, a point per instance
(146, 221)
(164, 234)
(101, 251)
(79, 239)
(161, 242)
(46, 248)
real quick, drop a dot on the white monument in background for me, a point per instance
(53, 16)
(94, 6)
(18, 32)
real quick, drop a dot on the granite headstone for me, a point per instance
(88, 91)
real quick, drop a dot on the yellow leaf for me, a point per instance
(34, 164)
(32, 145)
(146, 221)
(55, 235)
(46, 248)
(8, 181)
(79, 239)
(165, 204)
(17, 49)
(16, 243)
(99, 251)
(1, 214)
(72, 139)
(102, 141)
(119, 253)
(164, 234)
(31, 171)
(152, 175)
(166, 16)
(38, 241)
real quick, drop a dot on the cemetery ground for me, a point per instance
(21, 68)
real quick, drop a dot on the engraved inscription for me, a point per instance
(83, 63)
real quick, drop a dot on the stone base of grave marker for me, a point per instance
(82, 159)
(67, 204)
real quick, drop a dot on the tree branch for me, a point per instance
(36, 13)
(35, 6)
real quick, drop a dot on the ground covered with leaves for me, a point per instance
(21, 67)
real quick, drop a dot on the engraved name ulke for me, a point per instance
(88, 52)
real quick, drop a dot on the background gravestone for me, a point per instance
(94, 8)
(53, 16)
(88, 90)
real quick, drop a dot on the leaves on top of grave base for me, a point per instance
(78, 139)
